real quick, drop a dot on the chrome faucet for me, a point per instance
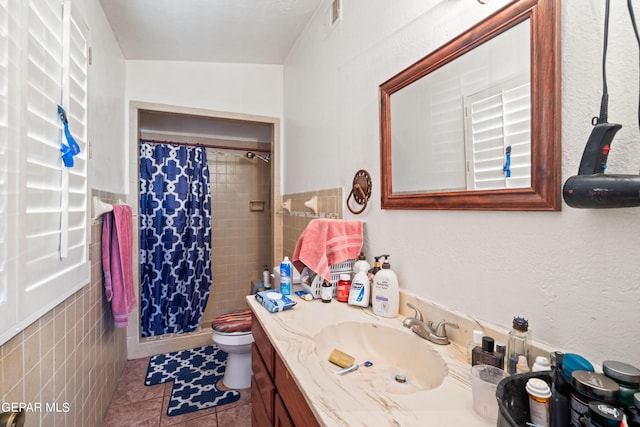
(437, 335)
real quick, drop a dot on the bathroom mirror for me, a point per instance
(475, 124)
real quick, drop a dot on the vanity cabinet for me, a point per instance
(276, 399)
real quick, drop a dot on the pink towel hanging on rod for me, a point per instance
(117, 262)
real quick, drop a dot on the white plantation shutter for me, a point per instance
(9, 57)
(495, 119)
(51, 203)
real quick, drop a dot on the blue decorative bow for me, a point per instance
(71, 150)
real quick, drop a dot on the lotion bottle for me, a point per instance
(360, 292)
(385, 293)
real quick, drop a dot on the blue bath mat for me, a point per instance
(194, 374)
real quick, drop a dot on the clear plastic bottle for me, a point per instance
(476, 341)
(518, 344)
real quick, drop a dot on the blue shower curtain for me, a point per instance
(175, 238)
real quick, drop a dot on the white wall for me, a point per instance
(252, 89)
(235, 88)
(574, 274)
(106, 104)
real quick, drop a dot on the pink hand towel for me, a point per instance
(326, 242)
(117, 262)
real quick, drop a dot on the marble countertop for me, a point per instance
(335, 404)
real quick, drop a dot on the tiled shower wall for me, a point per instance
(68, 362)
(241, 212)
(329, 205)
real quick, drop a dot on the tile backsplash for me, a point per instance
(294, 222)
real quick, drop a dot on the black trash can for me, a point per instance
(513, 400)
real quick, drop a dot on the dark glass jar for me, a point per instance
(326, 291)
(627, 377)
(604, 415)
(633, 412)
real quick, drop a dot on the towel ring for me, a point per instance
(360, 190)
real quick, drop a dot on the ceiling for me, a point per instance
(233, 31)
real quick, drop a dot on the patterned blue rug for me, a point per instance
(194, 374)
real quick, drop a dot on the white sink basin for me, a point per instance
(392, 351)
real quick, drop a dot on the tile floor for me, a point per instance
(135, 404)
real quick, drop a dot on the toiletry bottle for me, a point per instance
(486, 356)
(523, 366)
(344, 286)
(361, 264)
(518, 343)
(633, 412)
(604, 415)
(628, 379)
(588, 387)
(285, 276)
(326, 291)
(385, 293)
(541, 364)
(560, 393)
(476, 341)
(539, 398)
(373, 270)
(360, 292)
(502, 349)
(265, 277)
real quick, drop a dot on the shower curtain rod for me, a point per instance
(192, 144)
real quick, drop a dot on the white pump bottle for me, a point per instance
(385, 292)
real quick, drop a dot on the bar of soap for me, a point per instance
(341, 358)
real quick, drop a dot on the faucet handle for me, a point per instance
(441, 331)
(418, 315)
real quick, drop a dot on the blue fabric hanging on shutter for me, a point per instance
(507, 164)
(71, 150)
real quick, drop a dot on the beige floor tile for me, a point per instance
(139, 414)
(135, 404)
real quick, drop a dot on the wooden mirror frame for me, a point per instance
(544, 193)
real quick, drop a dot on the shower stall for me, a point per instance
(242, 158)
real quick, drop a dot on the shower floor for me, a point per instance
(134, 404)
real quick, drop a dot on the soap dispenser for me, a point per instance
(385, 293)
(361, 264)
(373, 270)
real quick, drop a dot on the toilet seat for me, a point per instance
(231, 323)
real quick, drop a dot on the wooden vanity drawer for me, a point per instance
(293, 399)
(265, 387)
(260, 416)
(282, 415)
(264, 345)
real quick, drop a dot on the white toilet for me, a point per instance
(232, 334)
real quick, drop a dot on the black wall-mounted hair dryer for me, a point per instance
(591, 188)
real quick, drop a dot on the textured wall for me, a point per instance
(575, 274)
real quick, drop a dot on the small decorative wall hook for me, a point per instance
(312, 204)
(287, 205)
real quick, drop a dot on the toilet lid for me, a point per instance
(233, 322)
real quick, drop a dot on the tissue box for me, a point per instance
(274, 301)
